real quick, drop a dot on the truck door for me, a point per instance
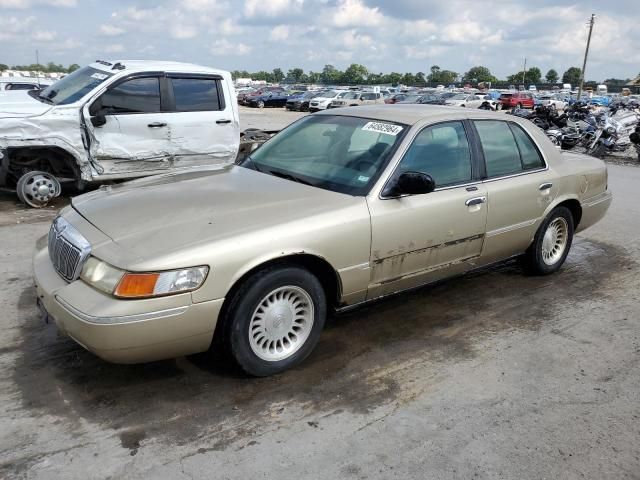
(129, 131)
(204, 127)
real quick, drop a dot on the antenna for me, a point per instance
(586, 53)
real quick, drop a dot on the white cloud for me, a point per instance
(228, 27)
(11, 27)
(224, 47)
(470, 31)
(354, 13)
(279, 33)
(108, 30)
(23, 4)
(43, 36)
(182, 31)
(271, 8)
(114, 48)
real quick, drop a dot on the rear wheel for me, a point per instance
(274, 320)
(551, 244)
(519, 105)
(260, 104)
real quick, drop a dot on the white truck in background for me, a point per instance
(116, 120)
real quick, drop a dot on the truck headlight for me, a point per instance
(124, 284)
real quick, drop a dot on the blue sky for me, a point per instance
(383, 35)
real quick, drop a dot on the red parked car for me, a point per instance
(517, 99)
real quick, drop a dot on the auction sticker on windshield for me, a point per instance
(379, 127)
(99, 76)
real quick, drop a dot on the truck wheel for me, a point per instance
(37, 189)
(274, 320)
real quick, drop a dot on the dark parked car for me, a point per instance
(300, 101)
(269, 99)
(245, 98)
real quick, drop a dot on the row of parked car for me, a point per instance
(278, 96)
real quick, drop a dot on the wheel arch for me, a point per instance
(319, 266)
(63, 158)
(574, 206)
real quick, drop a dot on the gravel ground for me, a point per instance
(494, 375)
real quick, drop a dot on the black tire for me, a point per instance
(599, 151)
(519, 105)
(245, 302)
(532, 260)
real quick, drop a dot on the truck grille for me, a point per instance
(68, 249)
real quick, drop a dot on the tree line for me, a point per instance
(50, 67)
(357, 74)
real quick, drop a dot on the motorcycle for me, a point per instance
(635, 140)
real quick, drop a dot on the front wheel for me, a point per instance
(275, 319)
(260, 104)
(551, 243)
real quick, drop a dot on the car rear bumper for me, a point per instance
(124, 331)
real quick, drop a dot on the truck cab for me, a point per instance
(116, 120)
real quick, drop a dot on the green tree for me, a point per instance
(533, 75)
(330, 75)
(421, 80)
(444, 77)
(479, 74)
(355, 74)
(73, 67)
(3, 67)
(572, 76)
(278, 75)
(295, 75)
(552, 76)
(409, 79)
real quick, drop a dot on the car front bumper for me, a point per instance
(124, 331)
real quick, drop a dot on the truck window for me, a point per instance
(139, 95)
(198, 94)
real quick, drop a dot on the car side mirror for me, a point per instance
(98, 120)
(412, 183)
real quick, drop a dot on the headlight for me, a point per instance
(123, 284)
(101, 275)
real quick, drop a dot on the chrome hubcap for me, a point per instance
(555, 241)
(281, 324)
(38, 188)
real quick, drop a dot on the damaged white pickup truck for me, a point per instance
(116, 120)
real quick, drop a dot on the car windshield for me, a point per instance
(460, 96)
(339, 153)
(74, 86)
(351, 95)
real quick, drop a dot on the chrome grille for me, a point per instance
(68, 249)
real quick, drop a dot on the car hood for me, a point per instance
(159, 215)
(20, 104)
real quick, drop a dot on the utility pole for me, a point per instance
(586, 53)
(524, 71)
(38, 64)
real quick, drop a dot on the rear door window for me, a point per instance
(501, 153)
(507, 148)
(197, 94)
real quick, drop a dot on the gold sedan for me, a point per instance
(340, 208)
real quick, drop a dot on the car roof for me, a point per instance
(133, 66)
(410, 114)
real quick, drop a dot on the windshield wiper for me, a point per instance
(288, 176)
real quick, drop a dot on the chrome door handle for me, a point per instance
(475, 201)
(545, 186)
